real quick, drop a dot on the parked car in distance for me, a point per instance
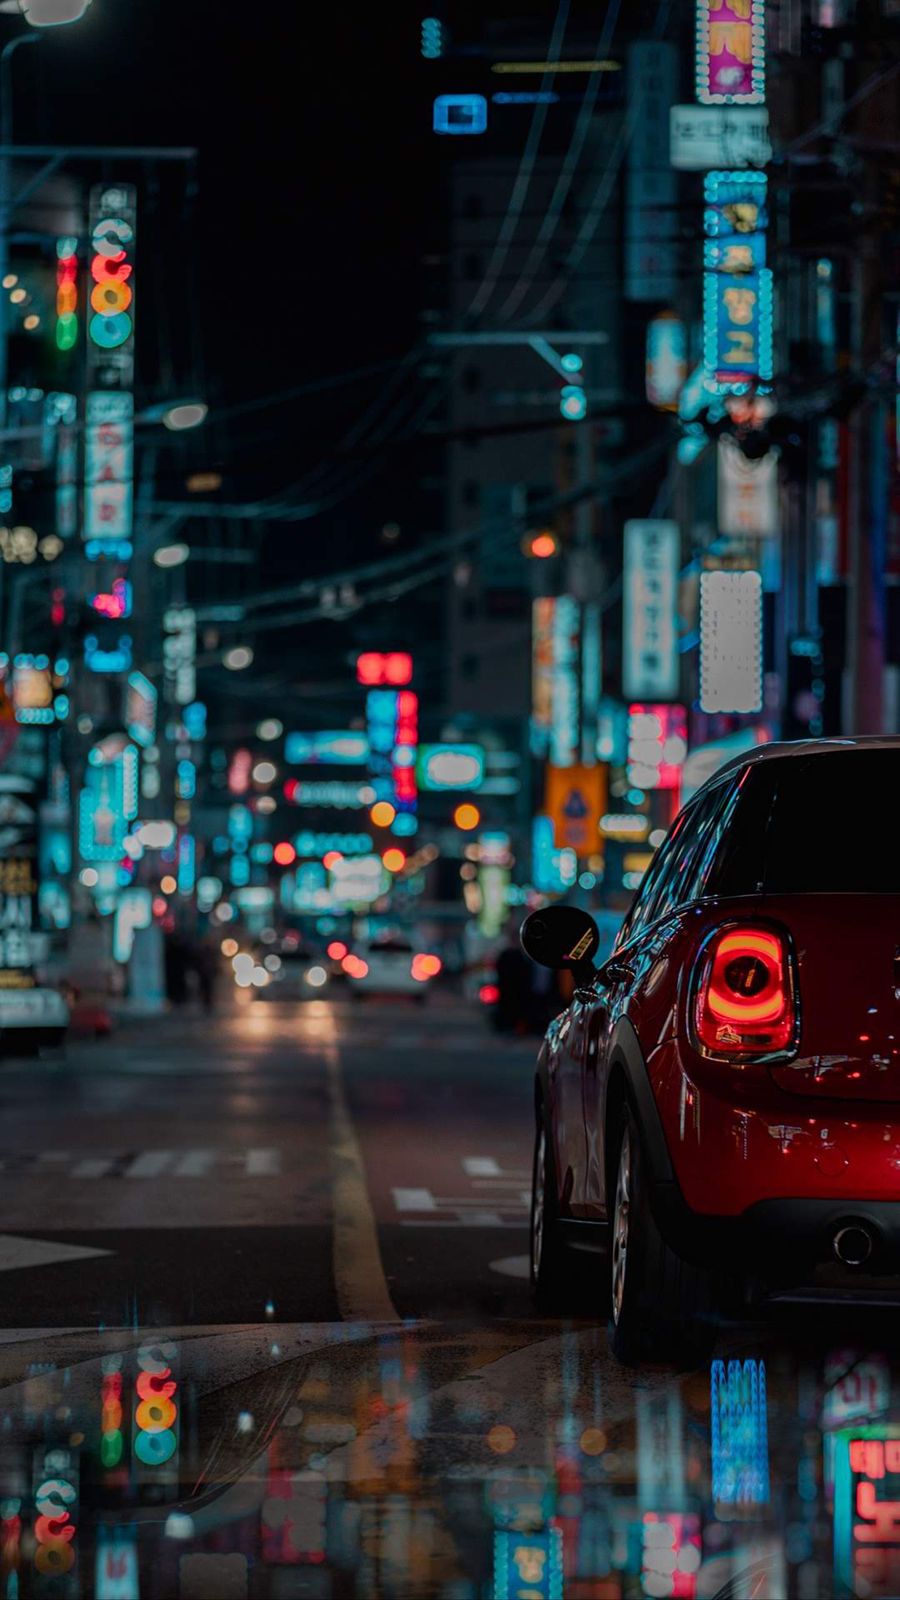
(719, 1105)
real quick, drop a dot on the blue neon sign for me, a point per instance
(460, 113)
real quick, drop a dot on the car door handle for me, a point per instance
(618, 972)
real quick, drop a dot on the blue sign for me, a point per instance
(737, 284)
(108, 804)
(331, 748)
(460, 113)
(528, 1564)
(739, 1428)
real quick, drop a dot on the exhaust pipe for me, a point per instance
(853, 1244)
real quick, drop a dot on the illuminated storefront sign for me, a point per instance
(111, 287)
(460, 113)
(670, 1554)
(542, 614)
(575, 800)
(552, 870)
(657, 745)
(666, 366)
(109, 802)
(111, 1439)
(308, 843)
(187, 863)
(867, 1511)
(392, 719)
(737, 284)
(155, 1436)
(358, 880)
(748, 492)
(730, 641)
(113, 655)
(703, 137)
(380, 669)
(650, 579)
(739, 1433)
(731, 52)
(450, 766)
(180, 654)
(329, 795)
(140, 709)
(528, 1566)
(38, 689)
(108, 468)
(66, 293)
(61, 416)
(565, 721)
(330, 748)
(116, 1570)
(55, 1522)
(18, 884)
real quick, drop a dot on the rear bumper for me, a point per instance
(777, 1238)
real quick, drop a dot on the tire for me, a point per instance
(548, 1257)
(661, 1306)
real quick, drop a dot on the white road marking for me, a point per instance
(481, 1167)
(414, 1200)
(16, 1252)
(263, 1163)
(149, 1164)
(93, 1167)
(194, 1164)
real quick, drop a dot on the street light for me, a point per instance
(239, 657)
(171, 555)
(185, 414)
(51, 13)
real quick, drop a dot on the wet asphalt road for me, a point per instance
(311, 1221)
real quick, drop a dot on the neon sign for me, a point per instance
(111, 324)
(155, 1406)
(108, 468)
(115, 603)
(657, 746)
(528, 1564)
(111, 1442)
(867, 1511)
(66, 293)
(140, 709)
(739, 1433)
(55, 1518)
(730, 641)
(737, 284)
(459, 113)
(731, 52)
(376, 668)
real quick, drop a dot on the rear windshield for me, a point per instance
(834, 824)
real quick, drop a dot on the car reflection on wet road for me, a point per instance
(266, 1335)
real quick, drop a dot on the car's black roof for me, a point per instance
(786, 750)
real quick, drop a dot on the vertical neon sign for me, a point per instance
(66, 293)
(737, 284)
(731, 59)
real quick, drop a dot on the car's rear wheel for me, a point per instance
(661, 1305)
(548, 1252)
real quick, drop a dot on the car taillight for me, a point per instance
(744, 1005)
(424, 967)
(489, 994)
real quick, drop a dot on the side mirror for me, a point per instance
(563, 938)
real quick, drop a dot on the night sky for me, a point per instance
(308, 215)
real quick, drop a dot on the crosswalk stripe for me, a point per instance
(194, 1164)
(149, 1164)
(263, 1164)
(93, 1167)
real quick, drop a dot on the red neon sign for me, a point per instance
(377, 668)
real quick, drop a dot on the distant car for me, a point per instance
(719, 1105)
(285, 973)
(391, 965)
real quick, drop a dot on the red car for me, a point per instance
(719, 1106)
